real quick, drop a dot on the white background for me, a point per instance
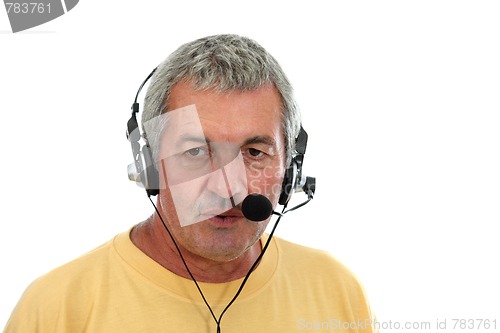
(401, 100)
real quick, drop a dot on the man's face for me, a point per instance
(217, 148)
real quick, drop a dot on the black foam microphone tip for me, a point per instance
(256, 207)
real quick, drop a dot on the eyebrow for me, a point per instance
(258, 139)
(193, 138)
(267, 140)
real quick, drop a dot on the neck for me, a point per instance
(151, 238)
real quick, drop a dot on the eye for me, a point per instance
(255, 152)
(196, 152)
(194, 158)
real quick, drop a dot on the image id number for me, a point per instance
(474, 324)
(27, 7)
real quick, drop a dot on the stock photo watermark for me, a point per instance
(444, 324)
(26, 14)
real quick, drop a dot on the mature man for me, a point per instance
(220, 123)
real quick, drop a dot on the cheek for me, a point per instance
(266, 181)
(180, 187)
(167, 207)
(180, 202)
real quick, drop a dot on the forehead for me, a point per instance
(238, 109)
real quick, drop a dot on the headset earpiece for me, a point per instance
(293, 179)
(149, 176)
(288, 183)
(143, 170)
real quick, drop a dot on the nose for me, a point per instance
(229, 181)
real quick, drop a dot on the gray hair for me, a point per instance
(223, 63)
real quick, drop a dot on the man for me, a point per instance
(220, 123)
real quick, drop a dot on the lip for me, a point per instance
(226, 219)
(217, 212)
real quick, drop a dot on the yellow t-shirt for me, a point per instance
(117, 288)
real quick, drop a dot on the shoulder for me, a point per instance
(70, 280)
(308, 256)
(320, 276)
(62, 290)
(316, 264)
(81, 266)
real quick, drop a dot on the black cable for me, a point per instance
(298, 206)
(183, 261)
(218, 321)
(251, 270)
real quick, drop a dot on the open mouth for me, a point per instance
(226, 218)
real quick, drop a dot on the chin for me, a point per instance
(223, 257)
(223, 247)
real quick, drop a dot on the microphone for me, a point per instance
(256, 207)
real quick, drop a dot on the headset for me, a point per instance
(255, 207)
(144, 172)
